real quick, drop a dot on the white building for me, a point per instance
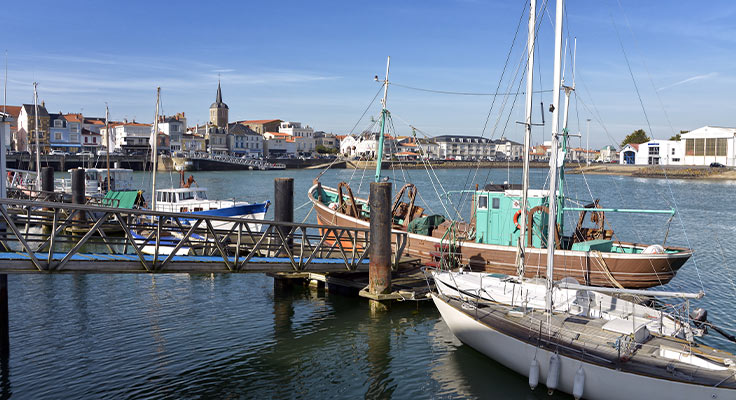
(130, 137)
(512, 150)
(709, 144)
(464, 147)
(653, 152)
(279, 146)
(365, 146)
(306, 142)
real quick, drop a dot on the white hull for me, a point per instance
(600, 382)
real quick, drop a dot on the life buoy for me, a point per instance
(516, 219)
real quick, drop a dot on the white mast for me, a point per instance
(107, 144)
(527, 138)
(552, 224)
(38, 147)
(587, 145)
(384, 111)
(154, 151)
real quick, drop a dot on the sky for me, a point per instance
(659, 66)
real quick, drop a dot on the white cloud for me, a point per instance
(691, 79)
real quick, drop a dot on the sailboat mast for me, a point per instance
(154, 151)
(107, 139)
(38, 147)
(384, 111)
(527, 137)
(552, 224)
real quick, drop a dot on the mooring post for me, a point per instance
(283, 207)
(47, 182)
(4, 327)
(379, 269)
(78, 190)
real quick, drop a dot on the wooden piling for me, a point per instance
(283, 208)
(379, 269)
(78, 190)
(47, 182)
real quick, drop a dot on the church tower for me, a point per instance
(218, 110)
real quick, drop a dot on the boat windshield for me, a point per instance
(201, 195)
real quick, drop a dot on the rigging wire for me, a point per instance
(464, 93)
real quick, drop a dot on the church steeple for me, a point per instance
(218, 100)
(219, 110)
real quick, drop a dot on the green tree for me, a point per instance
(636, 137)
(677, 137)
(325, 150)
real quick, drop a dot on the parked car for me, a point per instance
(85, 154)
(58, 153)
(716, 165)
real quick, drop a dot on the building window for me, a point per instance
(673, 151)
(689, 147)
(699, 147)
(675, 160)
(653, 150)
(57, 123)
(57, 136)
(721, 146)
(710, 147)
(482, 202)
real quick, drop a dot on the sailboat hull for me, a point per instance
(591, 268)
(600, 382)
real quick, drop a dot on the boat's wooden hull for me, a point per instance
(591, 268)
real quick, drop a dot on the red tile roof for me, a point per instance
(12, 110)
(73, 117)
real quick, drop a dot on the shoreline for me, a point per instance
(657, 171)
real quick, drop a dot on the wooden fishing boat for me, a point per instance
(628, 265)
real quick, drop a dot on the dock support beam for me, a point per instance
(283, 208)
(379, 268)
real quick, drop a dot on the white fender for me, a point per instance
(534, 374)
(553, 373)
(578, 384)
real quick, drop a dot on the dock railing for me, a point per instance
(61, 237)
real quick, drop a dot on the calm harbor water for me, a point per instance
(232, 336)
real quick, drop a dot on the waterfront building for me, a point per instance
(93, 124)
(460, 147)
(326, 140)
(25, 139)
(364, 146)
(653, 152)
(262, 126)
(9, 115)
(173, 126)
(607, 154)
(131, 137)
(276, 144)
(65, 132)
(511, 150)
(5, 129)
(243, 141)
(192, 143)
(303, 135)
(91, 141)
(709, 144)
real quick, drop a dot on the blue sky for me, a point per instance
(314, 61)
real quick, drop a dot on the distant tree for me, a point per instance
(636, 137)
(677, 137)
(325, 150)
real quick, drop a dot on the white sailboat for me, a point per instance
(581, 340)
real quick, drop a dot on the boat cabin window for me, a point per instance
(186, 195)
(483, 202)
(496, 202)
(201, 195)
